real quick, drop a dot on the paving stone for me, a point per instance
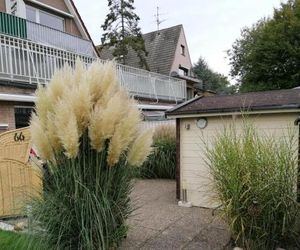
(216, 238)
(140, 234)
(136, 236)
(159, 223)
(197, 245)
(165, 242)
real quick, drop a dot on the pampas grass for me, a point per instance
(140, 149)
(86, 128)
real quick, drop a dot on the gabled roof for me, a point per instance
(83, 29)
(254, 101)
(160, 45)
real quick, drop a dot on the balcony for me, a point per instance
(19, 27)
(28, 62)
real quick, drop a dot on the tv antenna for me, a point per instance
(157, 16)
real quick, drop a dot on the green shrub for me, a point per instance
(162, 162)
(255, 179)
(87, 130)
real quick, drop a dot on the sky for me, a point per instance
(211, 26)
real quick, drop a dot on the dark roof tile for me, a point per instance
(161, 47)
(267, 100)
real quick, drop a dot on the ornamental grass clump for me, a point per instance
(162, 162)
(87, 129)
(255, 178)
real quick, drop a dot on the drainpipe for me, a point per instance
(296, 123)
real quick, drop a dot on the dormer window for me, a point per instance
(182, 50)
(45, 18)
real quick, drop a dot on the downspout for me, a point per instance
(296, 123)
(177, 173)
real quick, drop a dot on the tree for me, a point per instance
(122, 31)
(212, 80)
(267, 56)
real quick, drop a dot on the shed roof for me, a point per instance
(254, 101)
(160, 45)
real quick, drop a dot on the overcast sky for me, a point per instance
(211, 26)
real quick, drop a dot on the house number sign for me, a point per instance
(19, 137)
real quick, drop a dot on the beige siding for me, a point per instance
(195, 176)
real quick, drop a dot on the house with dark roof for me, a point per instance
(167, 54)
(199, 120)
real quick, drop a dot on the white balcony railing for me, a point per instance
(147, 84)
(48, 36)
(19, 27)
(24, 61)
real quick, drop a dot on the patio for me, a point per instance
(159, 223)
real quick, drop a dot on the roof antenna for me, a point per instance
(157, 16)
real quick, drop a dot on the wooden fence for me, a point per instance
(19, 180)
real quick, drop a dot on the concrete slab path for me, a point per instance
(159, 223)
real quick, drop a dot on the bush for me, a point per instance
(86, 127)
(255, 179)
(162, 162)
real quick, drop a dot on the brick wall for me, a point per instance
(2, 6)
(7, 115)
(16, 90)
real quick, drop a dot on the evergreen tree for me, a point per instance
(212, 80)
(122, 31)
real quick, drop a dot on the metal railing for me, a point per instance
(22, 28)
(48, 36)
(22, 60)
(147, 84)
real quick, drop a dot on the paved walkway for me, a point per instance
(159, 223)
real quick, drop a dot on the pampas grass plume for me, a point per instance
(40, 138)
(66, 127)
(140, 149)
(43, 105)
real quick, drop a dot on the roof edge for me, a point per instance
(83, 25)
(236, 110)
(184, 104)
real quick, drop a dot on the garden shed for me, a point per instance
(199, 120)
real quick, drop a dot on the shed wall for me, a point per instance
(194, 173)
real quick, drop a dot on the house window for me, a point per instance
(182, 50)
(183, 71)
(22, 116)
(45, 18)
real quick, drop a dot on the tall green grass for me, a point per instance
(162, 162)
(81, 208)
(255, 178)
